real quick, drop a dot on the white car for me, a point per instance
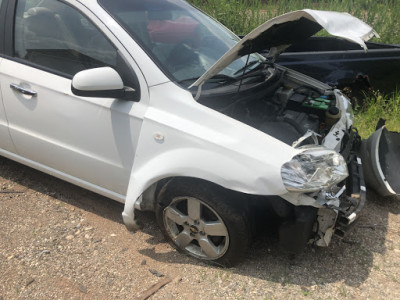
(154, 104)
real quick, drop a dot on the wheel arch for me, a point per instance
(148, 199)
(247, 175)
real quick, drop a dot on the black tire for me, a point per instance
(191, 233)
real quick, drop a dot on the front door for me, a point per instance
(91, 140)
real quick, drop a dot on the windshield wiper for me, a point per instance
(188, 79)
(222, 77)
(218, 77)
(246, 66)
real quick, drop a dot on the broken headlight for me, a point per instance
(314, 169)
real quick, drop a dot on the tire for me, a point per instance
(204, 221)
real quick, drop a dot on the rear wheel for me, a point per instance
(204, 221)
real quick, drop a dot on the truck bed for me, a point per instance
(344, 64)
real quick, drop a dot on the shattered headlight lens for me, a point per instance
(314, 169)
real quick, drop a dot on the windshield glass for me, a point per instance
(183, 41)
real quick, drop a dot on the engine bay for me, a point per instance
(274, 103)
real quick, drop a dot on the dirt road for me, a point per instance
(60, 241)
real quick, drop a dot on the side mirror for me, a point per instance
(102, 82)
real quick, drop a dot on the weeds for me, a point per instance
(378, 106)
(239, 16)
(306, 292)
(243, 16)
(343, 291)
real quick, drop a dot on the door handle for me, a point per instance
(22, 90)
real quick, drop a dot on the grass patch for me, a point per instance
(242, 16)
(378, 106)
(239, 16)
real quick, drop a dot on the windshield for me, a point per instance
(183, 41)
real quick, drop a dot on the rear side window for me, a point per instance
(54, 35)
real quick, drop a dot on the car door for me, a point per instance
(88, 141)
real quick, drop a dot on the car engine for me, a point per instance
(273, 103)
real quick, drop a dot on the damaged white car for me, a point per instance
(155, 104)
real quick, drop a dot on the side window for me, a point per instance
(54, 35)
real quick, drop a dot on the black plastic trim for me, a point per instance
(3, 10)
(9, 28)
(39, 67)
(295, 234)
(124, 94)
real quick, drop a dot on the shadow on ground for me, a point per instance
(349, 260)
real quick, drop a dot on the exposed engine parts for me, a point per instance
(279, 107)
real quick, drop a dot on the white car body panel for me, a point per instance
(216, 147)
(104, 78)
(71, 179)
(181, 137)
(88, 138)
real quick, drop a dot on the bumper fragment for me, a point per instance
(353, 201)
(380, 155)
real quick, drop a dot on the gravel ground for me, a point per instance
(58, 241)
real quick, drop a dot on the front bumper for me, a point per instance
(337, 216)
(343, 205)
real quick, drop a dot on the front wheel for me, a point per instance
(203, 220)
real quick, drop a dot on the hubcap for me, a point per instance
(196, 227)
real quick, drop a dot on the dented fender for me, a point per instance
(213, 167)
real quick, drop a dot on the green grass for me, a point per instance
(241, 16)
(375, 107)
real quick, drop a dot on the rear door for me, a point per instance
(89, 141)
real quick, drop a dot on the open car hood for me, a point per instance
(280, 32)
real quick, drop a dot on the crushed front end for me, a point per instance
(324, 182)
(335, 208)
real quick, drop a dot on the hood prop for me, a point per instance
(244, 70)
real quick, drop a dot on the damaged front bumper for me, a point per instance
(318, 216)
(341, 210)
(342, 206)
